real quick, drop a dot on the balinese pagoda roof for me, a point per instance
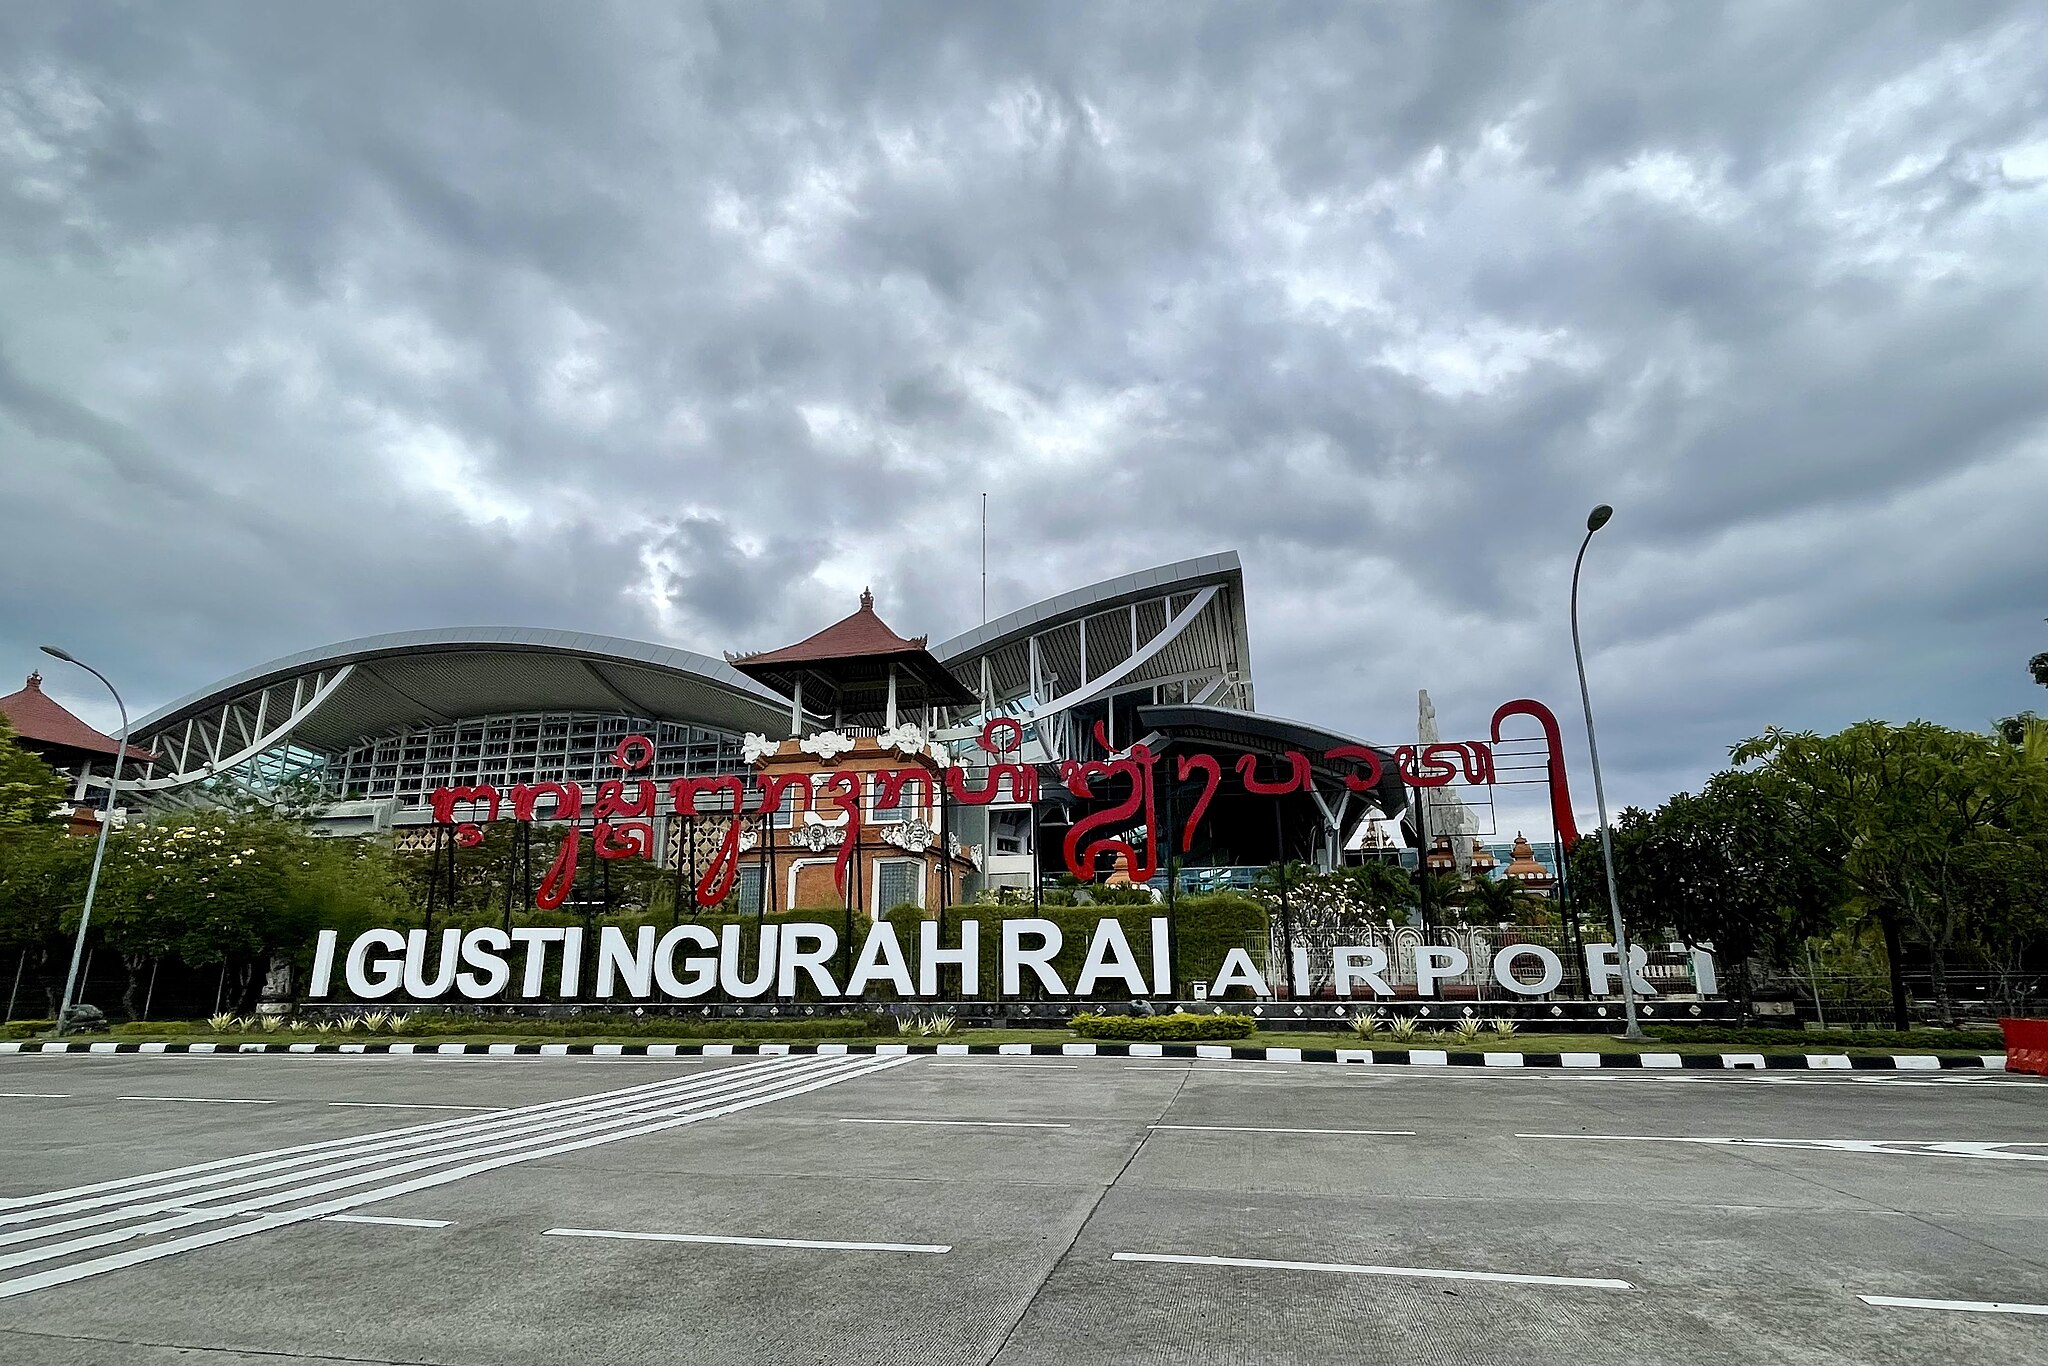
(40, 719)
(851, 659)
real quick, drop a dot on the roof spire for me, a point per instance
(867, 599)
(35, 680)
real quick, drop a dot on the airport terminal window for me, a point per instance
(748, 888)
(531, 747)
(897, 881)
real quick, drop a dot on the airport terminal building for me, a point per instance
(363, 732)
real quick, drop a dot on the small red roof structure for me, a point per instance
(857, 670)
(42, 724)
(1525, 869)
(852, 637)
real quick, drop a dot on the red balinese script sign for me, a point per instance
(624, 808)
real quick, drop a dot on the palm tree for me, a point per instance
(1276, 875)
(1385, 887)
(1496, 901)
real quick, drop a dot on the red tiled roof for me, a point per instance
(863, 633)
(35, 715)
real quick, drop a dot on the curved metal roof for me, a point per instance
(1179, 625)
(1039, 617)
(410, 678)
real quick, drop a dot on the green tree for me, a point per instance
(235, 889)
(1636, 874)
(1912, 809)
(1500, 901)
(2003, 880)
(30, 790)
(1741, 865)
(1382, 890)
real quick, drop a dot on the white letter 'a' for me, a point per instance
(881, 960)
(1239, 971)
(1110, 956)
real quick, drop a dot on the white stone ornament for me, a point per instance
(754, 748)
(819, 838)
(913, 835)
(826, 744)
(905, 739)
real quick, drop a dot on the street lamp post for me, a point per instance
(99, 852)
(1594, 521)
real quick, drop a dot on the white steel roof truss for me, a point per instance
(325, 684)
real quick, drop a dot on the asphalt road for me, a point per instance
(252, 1209)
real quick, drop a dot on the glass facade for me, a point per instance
(530, 747)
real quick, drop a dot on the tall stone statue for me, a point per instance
(1444, 811)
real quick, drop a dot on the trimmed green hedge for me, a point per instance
(860, 1026)
(1822, 1040)
(422, 1024)
(1179, 1026)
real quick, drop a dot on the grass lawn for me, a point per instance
(1519, 1043)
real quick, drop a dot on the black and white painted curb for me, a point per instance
(1414, 1057)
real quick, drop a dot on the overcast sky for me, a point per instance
(683, 323)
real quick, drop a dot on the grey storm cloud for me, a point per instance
(686, 322)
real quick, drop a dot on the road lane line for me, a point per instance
(967, 1123)
(1434, 1273)
(799, 1083)
(1009, 1066)
(35, 1095)
(823, 1243)
(17, 1209)
(239, 1213)
(1965, 1306)
(399, 1105)
(1253, 1129)
(1883, 1147)
(199, 1100)
(682, 1096)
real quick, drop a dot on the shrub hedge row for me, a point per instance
(422, 1024)
(1179, 1026)
(1822, 1040)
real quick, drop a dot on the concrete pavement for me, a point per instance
(1010, 1210)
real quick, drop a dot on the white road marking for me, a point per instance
(240, 1213)
(319, 1151)
(1250, 1129)
(35, 1095)
(396, 1105)
(825, 1244)
(1888, 1147)
(1226, 1071)
(1966, 1306)
(528, 1134)
(1339, 1268)
(967, 1123)
(199, 1100)
(543, 1120)
(1010, 1066)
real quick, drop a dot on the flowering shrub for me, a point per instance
(1163, 1028)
